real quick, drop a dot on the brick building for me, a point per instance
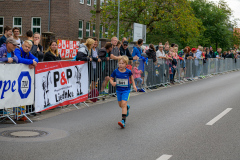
(69, 19)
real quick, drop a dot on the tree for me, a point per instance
(163, 18)
(216, 21)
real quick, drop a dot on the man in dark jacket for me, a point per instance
(125, 51)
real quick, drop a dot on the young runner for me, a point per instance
(123, 86)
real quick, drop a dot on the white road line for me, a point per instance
(219, 116)
(164, 157)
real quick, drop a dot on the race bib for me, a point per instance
(122, 82)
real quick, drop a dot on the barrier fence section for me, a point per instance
(17, 91)
(150, 75)
(60, 83)
(70, 82)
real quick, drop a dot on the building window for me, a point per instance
(89, 2)
(1, 25)
(88, 29)
(95, 2)
(80, 30)
(82, 1)
(36, 24)
(101, 31)
(17, 22)
(106, 32)
(94, 30)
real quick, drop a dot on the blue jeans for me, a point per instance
(138, 82)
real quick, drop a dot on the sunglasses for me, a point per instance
(125, 45)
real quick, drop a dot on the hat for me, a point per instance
(194, 49)
(125, 42)
(13, 41)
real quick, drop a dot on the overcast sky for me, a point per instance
(235, 6)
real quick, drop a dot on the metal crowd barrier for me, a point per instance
(153, 75)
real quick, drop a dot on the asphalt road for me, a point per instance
(166, 124)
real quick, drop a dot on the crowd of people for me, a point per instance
(102, 61)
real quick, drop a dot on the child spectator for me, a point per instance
(137, 76)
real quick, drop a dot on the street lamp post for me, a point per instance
(118, 19)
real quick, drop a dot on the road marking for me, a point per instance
(164, 157)
(219, 116)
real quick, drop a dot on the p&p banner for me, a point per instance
(60, 83)
(16, 85)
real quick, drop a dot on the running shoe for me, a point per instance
(128, 107)
(121, 124)
(142, 90)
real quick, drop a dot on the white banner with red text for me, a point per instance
(60, 83)
(16, 85)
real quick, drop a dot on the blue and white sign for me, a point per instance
(16, 85)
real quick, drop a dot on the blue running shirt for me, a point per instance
(122, 79)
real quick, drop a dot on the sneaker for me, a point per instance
(121, 124)
(142, 90)
(128, 107)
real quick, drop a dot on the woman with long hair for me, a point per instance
(84, 52)
(52, 52)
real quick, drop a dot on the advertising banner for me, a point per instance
(16, 85)
(60, 83)
(68, 49)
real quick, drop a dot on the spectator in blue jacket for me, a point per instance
(24, 55)
(137, 50)
(6, 51)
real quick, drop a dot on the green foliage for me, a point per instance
(178, 21)
(216, 21)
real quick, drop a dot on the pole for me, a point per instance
(97, 25)
(49, 15)
(118, 19)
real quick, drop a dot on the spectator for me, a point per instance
(191, 53)
(24, 55)
(159, 44)
(16, 32)
(224, 55)
(29, 35)
(83, 52)
(119, 44)
(6, 51)
(104, 55)
(125, 51)
(211, 52)
(37, 49)
(218, 53)
(124, 39)
(52, 52)
(115, 51)
(7, 34)
(95, 69)
(137, 50)
(160, 53)
(199, 53)
(207, 55)
(166, 49)
(174, 65)
(151, 53)
(137, 75)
